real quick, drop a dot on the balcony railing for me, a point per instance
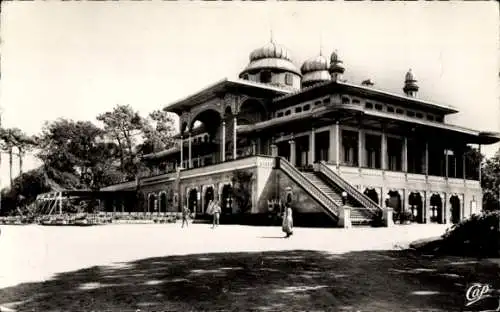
(246, 161)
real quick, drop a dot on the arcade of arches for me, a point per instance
(439, 211)
(197, 200)
(418, 207)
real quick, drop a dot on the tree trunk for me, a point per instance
(122, 158)
(21, 156)
(10, 167)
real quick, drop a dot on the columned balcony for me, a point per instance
(228, 165)
(369, 176)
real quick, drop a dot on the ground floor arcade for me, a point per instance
(410, 205)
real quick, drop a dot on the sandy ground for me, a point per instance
(36, 253)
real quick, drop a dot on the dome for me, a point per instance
(271, 50)
(314, 77)
(271, 56)
(409, 77)
(318, 63)
(315, 70)
(334, 58)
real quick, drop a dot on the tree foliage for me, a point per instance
(490, 182)
(83, 155)
(123, 125)
(158, 132)
(12, 138)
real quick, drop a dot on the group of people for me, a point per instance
(214, 209)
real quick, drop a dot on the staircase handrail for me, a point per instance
(351, 190)
(295, 174)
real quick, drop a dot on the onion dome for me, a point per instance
(271, 50)
(336, 66)
(271, 56)
(315, 70)
(411, 86)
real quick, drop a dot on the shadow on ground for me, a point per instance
(264, 281)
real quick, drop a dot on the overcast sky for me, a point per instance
(78, 59)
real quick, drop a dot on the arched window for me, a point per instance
(265, 76)
(288, 79)
(151, 202)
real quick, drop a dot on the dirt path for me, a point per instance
(232, 268)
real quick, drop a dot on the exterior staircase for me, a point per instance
(359, 214)
(330, 206)
(326, 186)
(365, 207)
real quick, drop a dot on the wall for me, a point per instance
(278, 78)
(276, 187)
(215, 176)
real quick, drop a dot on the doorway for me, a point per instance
(227, 199)
(209, 195)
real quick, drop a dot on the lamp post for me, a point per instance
(344, 198)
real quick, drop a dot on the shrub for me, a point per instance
(478, 235)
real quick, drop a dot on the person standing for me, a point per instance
(287, 226)
(216, 213)
(185, 216)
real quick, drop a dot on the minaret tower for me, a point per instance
(336, 68)
(411, 87)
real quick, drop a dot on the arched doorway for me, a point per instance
(163, 202)
(193, 200)
(151, 202)
(250, 112)
(227, 199)
(209, 195)
(394, 201)
(372, 194)
(455, 209)
(436, 207)
(416, 207)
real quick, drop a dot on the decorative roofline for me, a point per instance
(177, 105)
(369, 90)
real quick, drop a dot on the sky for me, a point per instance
(78, 59)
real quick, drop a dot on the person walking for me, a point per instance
(287, 226)
(216, 213)
(185, 216)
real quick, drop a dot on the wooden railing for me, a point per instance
(330, 206)
(351, 190)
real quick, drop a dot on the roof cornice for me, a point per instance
(211, 91)
(368, 91)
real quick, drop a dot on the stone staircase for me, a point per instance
(359, 214)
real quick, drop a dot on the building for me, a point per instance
(307, 135)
